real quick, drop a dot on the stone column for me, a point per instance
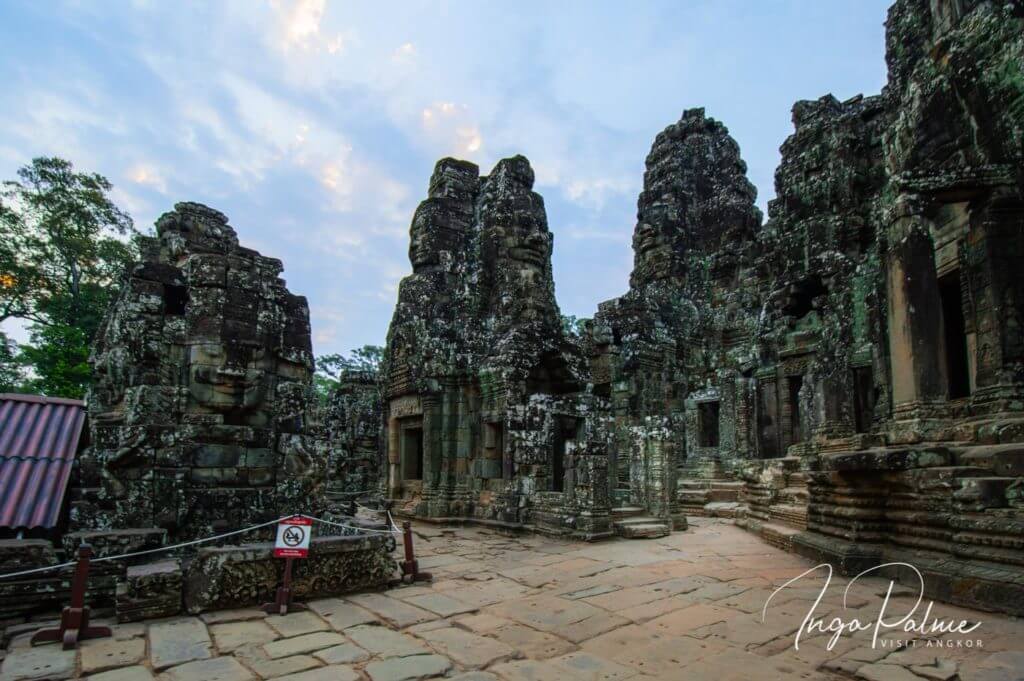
(994, 258)
(394, 480)
(916, 345)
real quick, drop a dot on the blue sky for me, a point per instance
(315, 125)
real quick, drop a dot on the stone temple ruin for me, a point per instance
(199, 424)
(486, 409)
(199, 406)
(845, 378)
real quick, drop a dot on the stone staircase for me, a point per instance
(632, 522)
(714, 498)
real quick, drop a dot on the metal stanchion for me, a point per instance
(74, 619)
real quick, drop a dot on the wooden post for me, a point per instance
(74, 619)
(283, 602)
(410, 566)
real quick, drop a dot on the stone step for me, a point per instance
(642, 528)
(639, 520)
(693, 484)
(721, 509)
(723, 494)
(731, 485)
(627, 512)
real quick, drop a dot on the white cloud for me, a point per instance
(595, 192)
(148, 175)
(404, 53)
(301, 25)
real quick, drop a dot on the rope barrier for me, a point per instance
(351, 527)
(205, 540)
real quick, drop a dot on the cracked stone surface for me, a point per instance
(704, 587)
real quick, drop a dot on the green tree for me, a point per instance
(11, 376)
(64, 246)
(329, 368)
(574, 326)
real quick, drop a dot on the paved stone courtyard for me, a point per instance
(686, 606)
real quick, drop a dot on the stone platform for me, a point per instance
(687, 605)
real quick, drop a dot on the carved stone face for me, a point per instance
(528, 251)
(225, 380)
(423, 249)
(654, 251)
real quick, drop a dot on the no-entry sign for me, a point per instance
(293, 537)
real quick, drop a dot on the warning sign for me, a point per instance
(293, 537)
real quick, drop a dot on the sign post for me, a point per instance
(292, 542)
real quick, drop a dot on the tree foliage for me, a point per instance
(64, 246)
(329, 368)
(574, 326)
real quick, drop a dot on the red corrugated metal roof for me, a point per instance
(38, 442)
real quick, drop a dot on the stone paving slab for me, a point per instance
(396, 612)
(667, 657)
(536, 645)
(43, 662)
(231, 635)
(482, 623)
(439, 603)
(529, 670)
(341, 614)
(99, 655)
(307, 643)
(214, 669)
(136, 673)
(547, 613)
(592, 626)
(296, 623)
(178, 641)
(408, 668)
(688, 619)
(346, 653)
(332, 673)
(590, 667)
(257, 660)
(384, 642)
(469, 651)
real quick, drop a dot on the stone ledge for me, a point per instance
(970, 583)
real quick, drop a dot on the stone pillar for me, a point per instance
(768, 416)
(916, 346)
(993, 259)
(394, 458)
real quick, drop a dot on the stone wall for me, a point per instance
(238, 576)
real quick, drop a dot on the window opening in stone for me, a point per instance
(175, 299)
(955, 335)
(767, 421)
(863, 398)
(801, 297)
(493, 451)
(412, 453)
(707, 423)
(565, 430)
